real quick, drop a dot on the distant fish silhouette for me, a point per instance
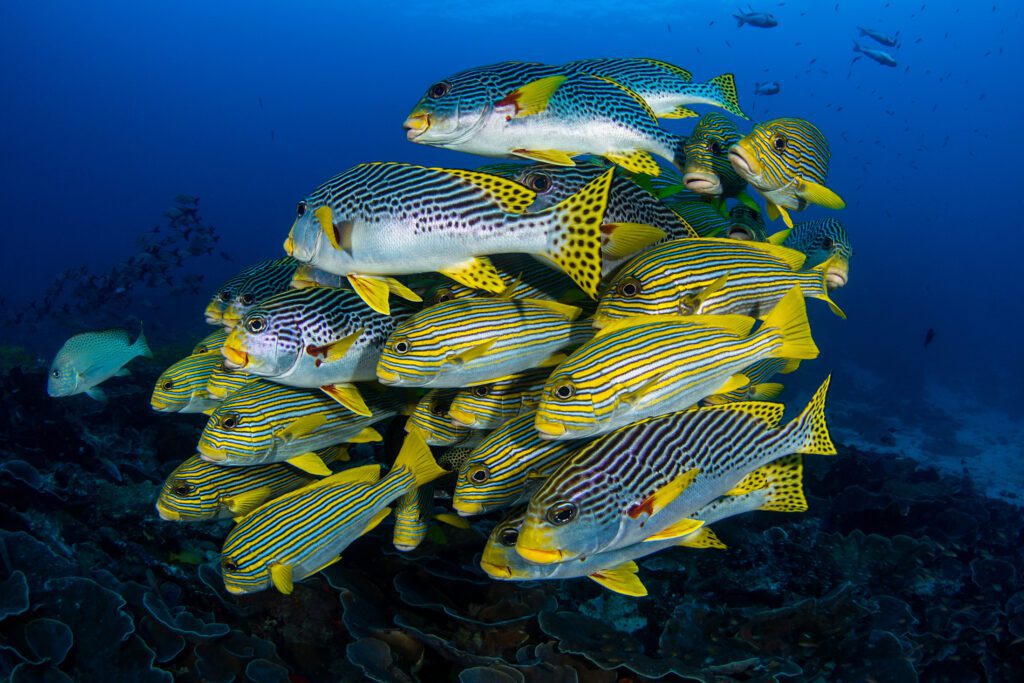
(928, 336)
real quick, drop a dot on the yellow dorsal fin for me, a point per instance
(510, 290)
(568, 312)
(622, 579)
(325, 217)
(789, 318)
(784, 481)
(242, 504)
(734, 383)
(452, 520)
(533, 97)
(377, 518)
(779, 237)
(679, 112)
(472, 353)
(626, 239)
(740, 325)
(364, 474)
(545, 156)
(765, 391)
(683, 527)
(657, 501)
(417, 458)
(301, 426)
(510, 195)
(677, 71)
(311, 463)
(373, 290)
(553, 360)
(703, 537)
(736, 324)
(791, 257)
(635, 161)
(769, 413)
(348, 396)
(820, 195)
(477, 273)
(366, 435)
(636, 98)
(281, 577)
(333, 453)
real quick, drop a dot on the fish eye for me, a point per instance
(442, 295)
(715, 147)
(538, 182)
(508, 537)
(224, 296)
(229, 564)
(201, 349)
(300, 210)
(439, 409)
(562, 513)
(167, 385)
(439, 90)
(828, 243)
(781, 142)
(247, 299)
(229, 421)
(55, 374)
(182, 488)
(401, 346)
(256, 324)
(482, 390)
(564, 389)
(629, 287)
(478, 474)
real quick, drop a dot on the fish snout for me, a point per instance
(498, 571)
(165, 513)
(743, 161)
(466, 508)
(416, 125)
(234, 357)
(837, 276)
(461, 418)
(549, 430)
(387, 377)
(702, 182)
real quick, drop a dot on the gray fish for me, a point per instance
(90, 358)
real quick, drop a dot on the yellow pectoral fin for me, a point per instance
(703, 537)
(821, 195)
(773, 211)
(626, 239)
(679, 112)
(622, 579)
(326, 218)
(734, 383)
(374, 291)
(657, 501)
(785, 216)
(368, 435)
(452, 520)
(777, 238)
(533, 97)
(401, 291)
(636, 161)
(680, 528)
(553, 360)
(242, 504)
(471, 353)
(300, 427)
(377, 518)
(337, 350)
(545, 156)
(311, 463)
(281, 577)
(765, 391)
(477, 273)
(348, 396)
(568, 312)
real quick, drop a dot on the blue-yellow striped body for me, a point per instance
(487, 406)
(430, 416)
(708, 276)
(198, 490)
(223, 381)
(266, 422)
(211, 343)
(827, 247)
(707, 170)
(475, 340)
(505, 468)
(411, 518)
(640, 483)
(181, 388)
(255, 283)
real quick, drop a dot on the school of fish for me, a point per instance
(584, 340)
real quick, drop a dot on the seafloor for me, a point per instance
(897, 572)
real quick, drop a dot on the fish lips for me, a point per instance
(498, 571)
(702, 183)
(234, 357)
(549, 430)
(167, 514)
(461, 418)
(540, 555)
(416, 125)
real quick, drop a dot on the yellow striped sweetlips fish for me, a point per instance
(430, 417)
(507, 466)
(707, 170)
(827, 247)
(652, 365)
(649, 220)
(487, 406)
(786, 160)
(181, 388)
(747, 224)
(378, 220)
(617, 570)
(471, 341)
(543, 113)
(666, 88)
(197, 490)
(256, 282)
(642, 483)
(411, 517)
(759, 388)
(318, 337)
(265, 422)
(305, 531)
(211, 342)
(709, 276)
(223, 381)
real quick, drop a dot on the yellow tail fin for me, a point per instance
(730, 100)
(811, 427)
(417, 458)
(574, 233)
(789, 317)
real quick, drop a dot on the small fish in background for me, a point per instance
(879, 37)
(90, 358)
(883, 58)
(767, 88)
(758, 19)
(929, 336)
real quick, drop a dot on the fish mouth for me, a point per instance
(217, 392)
(466, 509)
(539, 555)
(549, 429)
(234, 590)
(211, 454)
(498, 571)
(836, 278)
(289, 245)
(702, 183)
(416, 125)
(234, 357)
(160, 406)
(166, 513)
(460, 418)
(739, 233)
(387, 377)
